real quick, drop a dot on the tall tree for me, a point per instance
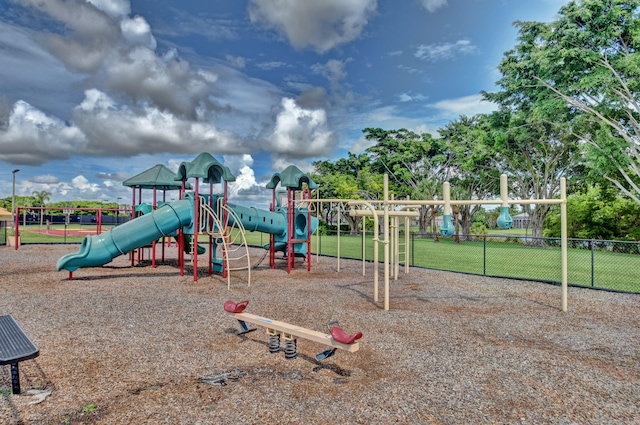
(587, 59)
(41, 197)
(474, 175)
(417, 164)
(347, 178)
(534, 153)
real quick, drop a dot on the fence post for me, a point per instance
(593, 268)
(484, 256)
(413, 248)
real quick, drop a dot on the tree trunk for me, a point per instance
(354, 222)
(433, 224)
(423, 219)
(456, 215)
(537, 216)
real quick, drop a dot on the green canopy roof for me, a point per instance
(292, 178)
(205, 167)
(158, 176)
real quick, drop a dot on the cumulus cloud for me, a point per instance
(119, 130)
(103, 127)
(322, 25)
(300, 133)
(166, 81)
(138, 32)
(433, 5)
(90, 32)
(100, 39)
(443, 51)
(33, 138)
(82, 184)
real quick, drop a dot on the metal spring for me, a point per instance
(290, 350)
(274, 343)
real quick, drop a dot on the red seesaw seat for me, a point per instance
(233, 307)
(339, 335)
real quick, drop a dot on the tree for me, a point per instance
(598, 214)
(347, 178)
(474, 172)
(534, 153)
(588, 60)
(417, 164)
(41, 198)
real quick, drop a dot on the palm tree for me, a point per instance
(41, 196)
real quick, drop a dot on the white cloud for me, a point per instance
(333, 71)
(433, 5)
(34, 138)
(46, 179)
(119, 130)
(268, 66)
(300, 133)
(236, 61)
(443, 51)
(81, 184)
(322, 25)
(138, 32)
(113, 8)
(408, 97)
(466, 105)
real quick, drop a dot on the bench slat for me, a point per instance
(15, 345)
(297, 331)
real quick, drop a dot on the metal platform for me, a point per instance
(15, 347)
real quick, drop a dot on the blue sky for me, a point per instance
(93, 92)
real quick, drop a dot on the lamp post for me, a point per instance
(13, 200)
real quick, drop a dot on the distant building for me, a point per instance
(521, 221)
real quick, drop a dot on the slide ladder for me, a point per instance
(235, 250)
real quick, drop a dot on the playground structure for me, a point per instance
(289, 225)
(198, 214)
(335, 339)
(390, 208)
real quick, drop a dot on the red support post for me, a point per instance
(308, 197)
(196, 230)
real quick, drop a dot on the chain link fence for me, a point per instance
(3, 232)
(611, 265)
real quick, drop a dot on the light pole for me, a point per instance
(13, 199)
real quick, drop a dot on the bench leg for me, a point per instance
(15, 378)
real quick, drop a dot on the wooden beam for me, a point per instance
(297, 331)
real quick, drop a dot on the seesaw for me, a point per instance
(336, 338)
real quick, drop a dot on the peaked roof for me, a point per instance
(205, 167)
(293, 178)
(158, 176)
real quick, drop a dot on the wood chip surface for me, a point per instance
(141, 345)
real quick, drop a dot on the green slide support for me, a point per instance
(100, 249)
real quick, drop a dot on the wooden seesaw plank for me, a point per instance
(297, 331)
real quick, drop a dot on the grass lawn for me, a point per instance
(611, 270)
